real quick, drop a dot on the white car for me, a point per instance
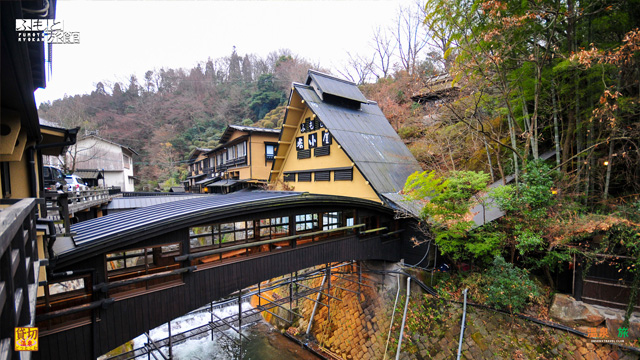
(75, 183)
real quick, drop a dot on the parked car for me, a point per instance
(75, 183)
(54, 178)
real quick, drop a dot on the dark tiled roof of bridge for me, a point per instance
(115, 230)
(366, 137)
(143, 201)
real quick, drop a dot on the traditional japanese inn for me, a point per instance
(336, 171)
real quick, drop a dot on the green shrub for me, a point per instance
(409, 132)
(509, 287)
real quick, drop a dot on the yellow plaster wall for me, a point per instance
(19, 171)
(256, 169)
(261, 168)
(358, 187)
(236, 134)
(42, 272)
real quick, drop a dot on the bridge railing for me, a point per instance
(65, 204)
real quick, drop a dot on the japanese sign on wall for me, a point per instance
(313, 140)
(26, 339)
(326, 138)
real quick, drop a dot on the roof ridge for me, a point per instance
(316, 72)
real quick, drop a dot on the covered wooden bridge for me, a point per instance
(126, 273)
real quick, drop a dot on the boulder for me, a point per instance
(568, 311)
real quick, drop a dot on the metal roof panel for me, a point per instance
(368, 139)
(335, 86)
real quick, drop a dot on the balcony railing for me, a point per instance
(235, 162)
(19, 270)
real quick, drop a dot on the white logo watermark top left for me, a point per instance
(50, 31)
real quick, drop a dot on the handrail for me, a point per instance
(373, 230)
(110, 285)
(73, 310)
(11, 220)
(259, 243)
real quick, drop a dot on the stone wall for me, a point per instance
(357, 327)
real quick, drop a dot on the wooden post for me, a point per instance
(290, 295)
(170, 342)
(63, 206)
(239, 312)
(329, 292)
(359, 280)
(211, 311)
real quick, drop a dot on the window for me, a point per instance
(323, 175)
(331, 220)
(207, 236)
(66, 286)
(322, 151)
(274, 227)
(200, 236)
(137, 264)
(306, 222)
(241, 149)
(304, 176)
(270, 151)
(349, 217)
(304, 154)
(5, 177)
(343, 175)
(129, 259)
(289, 177)
(127, 161)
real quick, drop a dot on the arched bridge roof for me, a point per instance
(120, 229)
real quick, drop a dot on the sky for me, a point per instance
(123, 37)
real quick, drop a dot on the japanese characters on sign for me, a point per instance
(26, 339)
(326, 138)
(309, 125)
(602, 335)
(313, 140)
(50, 31)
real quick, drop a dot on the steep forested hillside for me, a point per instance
(171, 111)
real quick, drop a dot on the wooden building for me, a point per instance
(243, 159)
(198, 169)
(23, 142)
(335, 141)
(113, 160)
(438, 90)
